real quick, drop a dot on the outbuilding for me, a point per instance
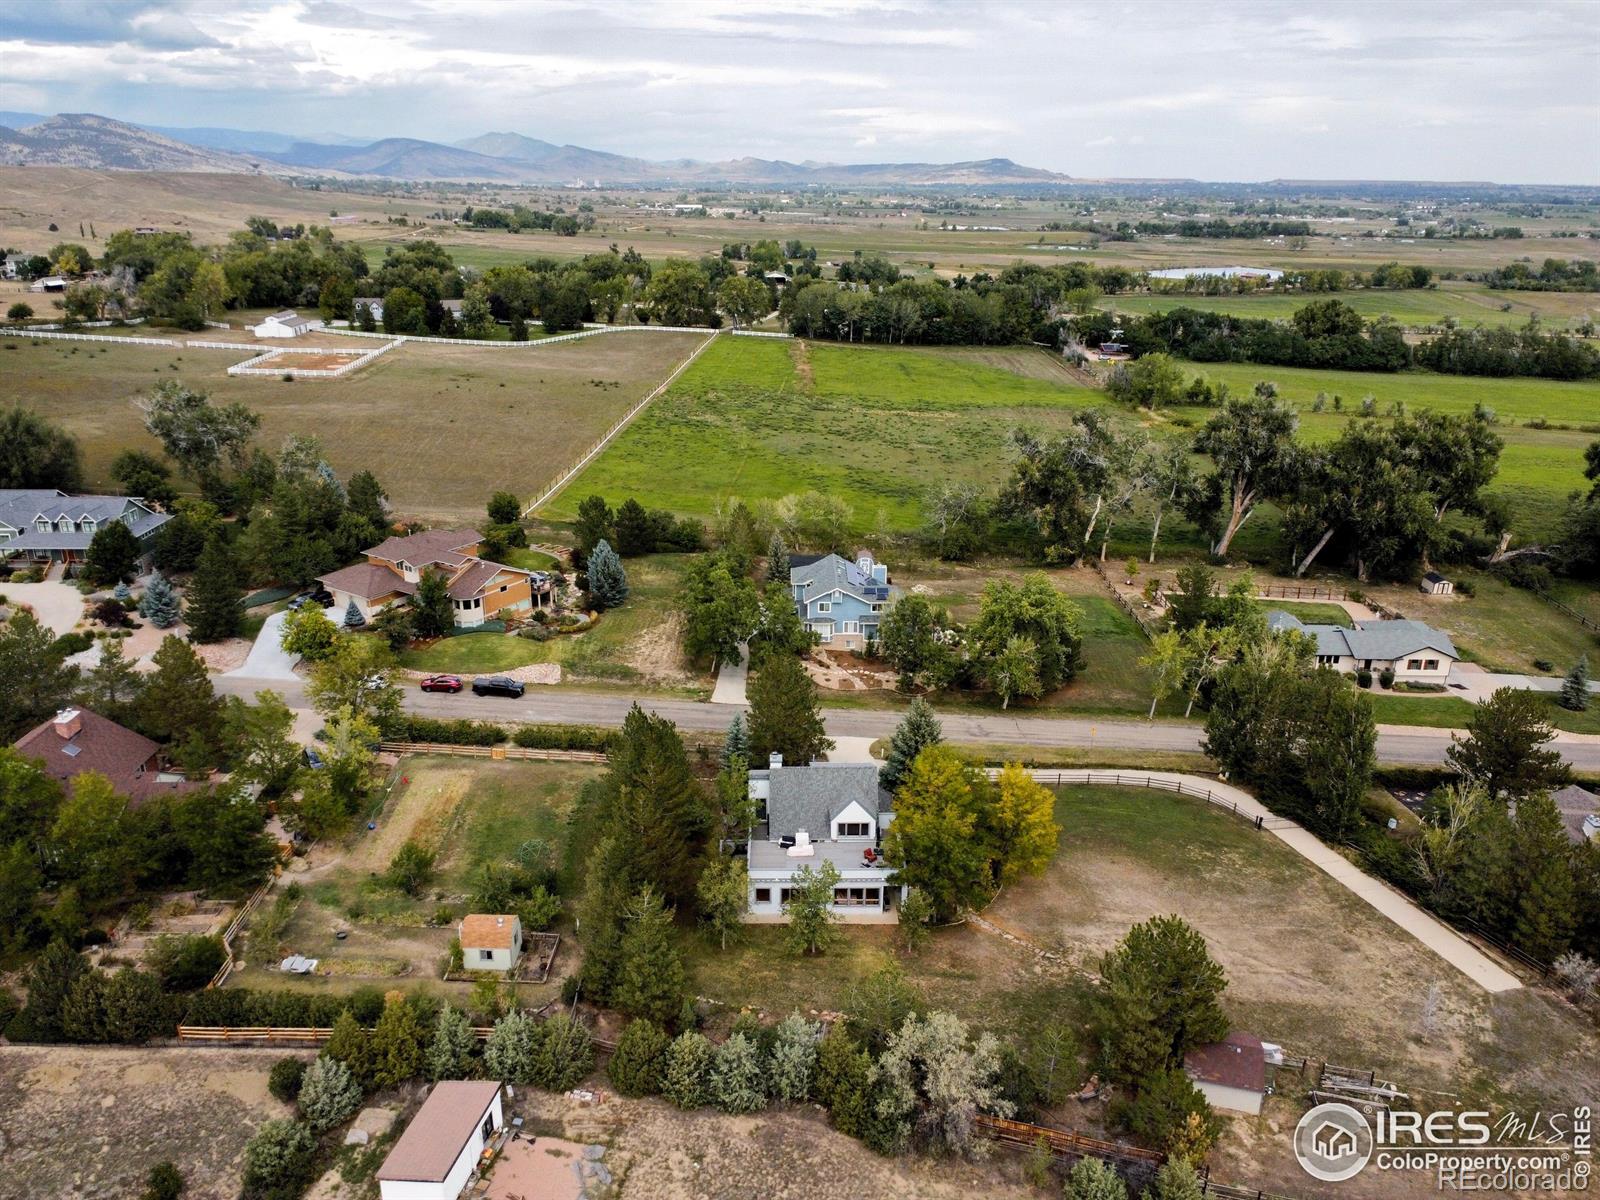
(1435, 584)
(490, 941)
(440, 1149)
(1230, 1074)
(286, 324)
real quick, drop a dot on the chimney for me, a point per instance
(774, 761)
(67, 723)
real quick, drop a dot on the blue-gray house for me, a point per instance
(839, 600)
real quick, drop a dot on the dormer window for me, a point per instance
(42, 525)
(88, 525)
(64, 525)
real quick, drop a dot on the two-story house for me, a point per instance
(43, 525)
(839, 600)
(1415, 652)
(480, 590)
(822, 813)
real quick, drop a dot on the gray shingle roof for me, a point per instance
(830, 572)
(810, 797)
(1575, 805)
(1384, 640)
(20, 508)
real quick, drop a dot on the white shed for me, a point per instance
(439, 1150)
(286, 324)
(490, 941)
(1230, 1074)
(1435, 584)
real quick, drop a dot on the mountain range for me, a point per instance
(87, 140)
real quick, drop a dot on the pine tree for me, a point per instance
(432, 613)
(352, 615)
(113, 685)
(1547, 899)
(659, 814)
(636, 1067)
(1575, 690)
(917, 730)
(793, 1061)
(396, 1044)
(216, 601)
(688, 1069)
(565, 1055)
(778, 560)
(352, 1045)
(450, 1052)
(784, 715)
(650, 980)
(179, 701)
(329, 1094)
(113, 554)
(511, 1053)
(159, 604)
(737, 742)
(608, 582)
(734, 1082)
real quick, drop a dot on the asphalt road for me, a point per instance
(1411, 746)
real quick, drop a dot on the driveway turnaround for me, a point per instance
(57, 605)
(1398, 908)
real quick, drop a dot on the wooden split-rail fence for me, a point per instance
(498, 753)
(1064, 1143)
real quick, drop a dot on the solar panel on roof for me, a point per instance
(71, 751)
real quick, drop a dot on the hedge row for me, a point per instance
(565, 737)
(405, 728)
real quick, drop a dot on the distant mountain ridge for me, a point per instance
(86, 140)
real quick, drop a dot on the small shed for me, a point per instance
(1230, 1074)
(439, 1150)
(490, 941)
(1435, 584)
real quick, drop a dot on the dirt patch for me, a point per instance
(195, 1107)
(223, 656)
(309, 362)
(657, 652)
(801, 354)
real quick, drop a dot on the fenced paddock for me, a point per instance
(307, 362)
(1139, 779)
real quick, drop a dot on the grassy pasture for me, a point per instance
(441, 426)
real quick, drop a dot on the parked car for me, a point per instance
(313, 759)
(498, 685)
(442, 683)
(319, 596)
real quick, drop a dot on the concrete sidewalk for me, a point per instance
(1396, 907)
(732, 681)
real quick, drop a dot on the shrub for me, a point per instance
(329, 1094)
(283, 1081)
(164, 1182)
(1465, 587)
(565, 737)
(184, 964)
(1543, 664)
(688, 1067)
(411, 868)
(405, 728)
(565, 1054)
(540, 910)
(636, 1067)
(69, 644)
(734, 1082)
(1386, 678)
(277, 1160)
(1363, 678)
(793, 1059)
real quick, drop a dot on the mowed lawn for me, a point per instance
(441, 426)
(876, 427)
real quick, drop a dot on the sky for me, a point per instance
(1399, 89)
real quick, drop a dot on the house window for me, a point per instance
(856, 897)
(877, 608)
(1414, 664)
(485, 955)
(488, 1127)
(764, 895)
(784, 894)
(1430, 664)
(854, 829)
(42, 525)
(1327, 660)
(824, 606)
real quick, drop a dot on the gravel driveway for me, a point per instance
(58, 605)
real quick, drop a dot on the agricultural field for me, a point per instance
(875, 427)
(637, 645)
(1467, 303)
(441, 426)
(469, 812)
(1310, 967)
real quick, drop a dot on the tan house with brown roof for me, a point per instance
(76, 740)
(480, 589)
(490, 941)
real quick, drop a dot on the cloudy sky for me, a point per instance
(1400, 90)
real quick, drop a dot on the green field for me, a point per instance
(1452, 712)
(1467, 304)
(877, 428)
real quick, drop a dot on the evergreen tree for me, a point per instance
(635, 533)
(659, 811)
(36, 680)
(784, 715)
(734, 1082)
(329, 1094)
(685, 1080)
(595, 523)
(565, 1054)
(366, 498)
(778, 560)
(396, 1044)
(1505, 747)
(178, 700)
(1575, 689)
(637, 1065)
(450, 1052)
(113, 685)
(608, 582)
(1160, 998)
(650, 980)
(159, 604)
(216, 601)
(432, 614)
(736, 745)
(352, 1045)
(113, 555)
(1094, 1179)
(917, 730)
(352, 615)
(512, 1050)
(50, 980)
(793, 1061)
(1547, 902)
(1176, 1180)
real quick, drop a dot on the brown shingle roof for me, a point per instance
(367, 580)
(1236, 1061)
(440, 1131)
(446, 546)
(121, 755)
(487, 931)
(476, 576)
(1575, 804)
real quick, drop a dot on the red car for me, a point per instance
(442, 683)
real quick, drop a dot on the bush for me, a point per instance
(539, 910)
(164, 1182)
(565, 737)
(1386, 678)
(329, 1095)
(564, 1056)
(283, 1081)
(688, 1067)
(69, 644)
(1465, 587)
(636, 1067)
(1543, 664)
(184, 964)
(734, 1083)
(411, 868)
(405, 728)
(277, 1160)
(1363, 678)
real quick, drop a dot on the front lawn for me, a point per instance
(1309, 612)
(472, 654)
(1452, 712)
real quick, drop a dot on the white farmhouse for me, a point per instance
(286, 324)
(809, 815)
(1417, 653)
(490, 941)
(439, 1150)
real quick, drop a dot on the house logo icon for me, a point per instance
(1333, 1142)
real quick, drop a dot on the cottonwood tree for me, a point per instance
(721, 609)
(37, 454)
(722, 893)
(1170, 661)
(1021, 824)
(1035, 611)
(911, 637)
(936, 1077)
(197, 435)
(935, 843)
(1250, 443)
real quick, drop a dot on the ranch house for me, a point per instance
(809, 815)
(480, 590)
(1417, 653)
(841, 601)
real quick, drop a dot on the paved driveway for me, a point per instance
(267, 658)
(58, 605)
